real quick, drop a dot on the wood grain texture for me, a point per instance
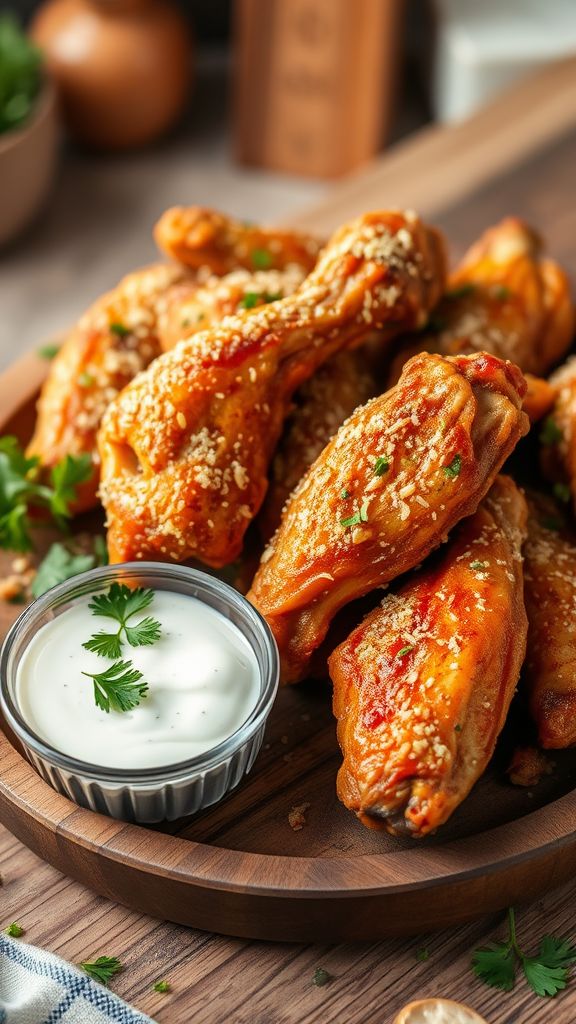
(215, 978)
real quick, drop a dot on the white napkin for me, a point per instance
(37, 987)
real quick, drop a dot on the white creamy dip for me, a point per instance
(202, 674)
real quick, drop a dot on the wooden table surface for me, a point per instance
(515, 157)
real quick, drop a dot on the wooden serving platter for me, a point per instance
(239, 868)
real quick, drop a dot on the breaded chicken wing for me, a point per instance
(198, 237)
(398, 475)
(422, 687)
(195, 307)
(504, 298)
(185, 448)
(558, 435)
(550, 590)
(111, 343)
(321, 406)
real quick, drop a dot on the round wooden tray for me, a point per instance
(240, 869)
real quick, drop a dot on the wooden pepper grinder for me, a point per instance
(122, 67)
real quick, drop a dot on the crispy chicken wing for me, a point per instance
(504, 298)
(422, 687)
(558, 436)
(113, 341)
(321, 406)
(195, 307)
(550, 575)
(198, 237)
(398, 475)
(186, 447)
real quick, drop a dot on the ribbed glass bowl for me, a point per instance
(150, 794)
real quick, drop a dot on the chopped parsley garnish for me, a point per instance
(461, 291)
(405, 650)
(561, 492)
(321, 977)
(546, 973)
(119, 687)
(364, 510)
(500, 291)
(381, 465)
(119, 329)
(15, 931)
(478, 565)
(103, 969)
(120, 604)
(48, 351)
(452, 470)
(345, 493)
(261, 259)
(85, 380)
(422, 955)
(354, 520)
(21, 490)
(457, 727)
(550, 433)
(249, 300)
(161, 986)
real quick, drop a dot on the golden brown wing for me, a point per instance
(558, 435)
(199, 237)
(185, 448)
(195, 307)
(550, 575)
(504, 298)
(321, 406)
(398, 475)
(115, 339)
(422, 687)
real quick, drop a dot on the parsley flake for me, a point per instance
(500, 291)
(351, 520)
(103, 969)
(478, 565)
(119, 329)
(14, 930)
(546, 973)
(550, 433)
(161, 986)
(85, 380)
(364, 510)
(422, 955)
(561, 492)
(457, 727)
(249, 300)
(345, 493)
(261, 259)
(452, 470)
(405, 650)
(321, 977)
(381, 465)
(461, 291)
(48, 351)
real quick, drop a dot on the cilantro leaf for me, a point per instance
(59, 565)
(543, 980)
(452, 470)
(119, 687)
(107, 645)
(381, 465)
(495, 965)
(103, 969)
(121, 602)
(144, 633)
(555, 952)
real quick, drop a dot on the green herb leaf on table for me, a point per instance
(495, 965)
(321, 977)
(161, 986)
(119, 687)
(14, 930)
(546, 973)
(59, 565)
(103, 969)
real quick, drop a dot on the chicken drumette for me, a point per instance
(422, 687)
(558, 434)
(185, 448)
(398, 475)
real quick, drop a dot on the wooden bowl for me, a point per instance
(240, 869)
(27, 165)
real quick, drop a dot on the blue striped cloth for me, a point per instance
(37, 987)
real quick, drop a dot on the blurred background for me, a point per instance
(120, 108)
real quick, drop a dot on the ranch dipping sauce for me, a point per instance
(202, 675)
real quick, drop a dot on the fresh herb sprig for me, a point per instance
(20, 74)
(62, 562)
(14, 930)
(22, 490)
(121, 604)
(546, 973)
(119, 687)
(103, 969)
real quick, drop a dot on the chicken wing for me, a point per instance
(111, 343)
(185, 448)
(198, 237)
(321, 406)
(398, 475)
(550, 575)
(422, 687)
(558, 435)
(504, 298)
(195, 307)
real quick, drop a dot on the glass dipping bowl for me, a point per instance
(150, 794)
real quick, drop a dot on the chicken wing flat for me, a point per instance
(422, 687)
(321, 406)
(186, 447)
(111, 343)
(504, 298)
(550, 590)
(199, 237)
(195, 307)
(398, 475)
(558, 435)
